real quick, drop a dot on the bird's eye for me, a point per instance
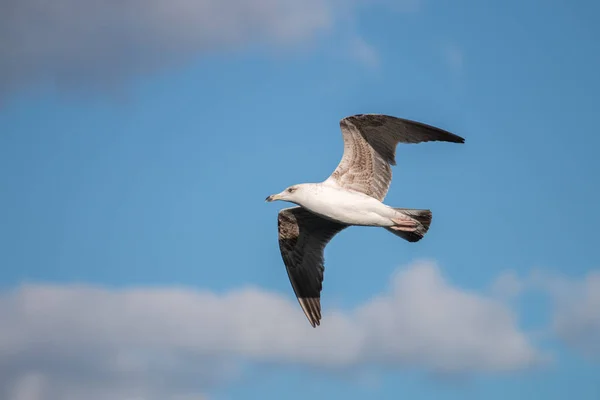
(291, 190)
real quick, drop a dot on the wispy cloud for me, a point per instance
(364, 53)
(453, 57)
(93, 342)
(508, 285)
(576, 316)
(575, 304)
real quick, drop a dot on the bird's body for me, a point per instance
(352, 195)
(345, 206)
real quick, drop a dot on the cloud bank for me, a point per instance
(77, 341)
(99, 42)
(87, 43)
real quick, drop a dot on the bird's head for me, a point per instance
(292, 194)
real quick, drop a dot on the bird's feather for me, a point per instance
(370, 142)
(302, 240)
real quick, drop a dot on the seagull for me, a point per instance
(351, 196)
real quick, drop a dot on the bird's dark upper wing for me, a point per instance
(302, 240)
(370, 150)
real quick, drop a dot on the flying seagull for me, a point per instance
(352, 195)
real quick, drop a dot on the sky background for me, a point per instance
(139, 139)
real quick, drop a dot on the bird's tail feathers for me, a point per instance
(422, 218)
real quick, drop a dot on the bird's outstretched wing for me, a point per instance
(302, 240)
(370, 150)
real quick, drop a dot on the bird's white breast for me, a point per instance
(346, 206)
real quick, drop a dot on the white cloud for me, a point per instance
(91, 342)
(85, 41)
(576, 315)
(75, 43)
(427, 321)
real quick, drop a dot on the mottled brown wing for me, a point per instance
(302, 240)
(370, 150)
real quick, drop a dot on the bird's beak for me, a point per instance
(271, 198)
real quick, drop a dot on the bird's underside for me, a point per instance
(370, 142)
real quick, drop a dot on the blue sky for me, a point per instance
(140, 261)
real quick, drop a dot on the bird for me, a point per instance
(352, 195)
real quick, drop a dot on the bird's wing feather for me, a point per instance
(302, 240)
(370, 150)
